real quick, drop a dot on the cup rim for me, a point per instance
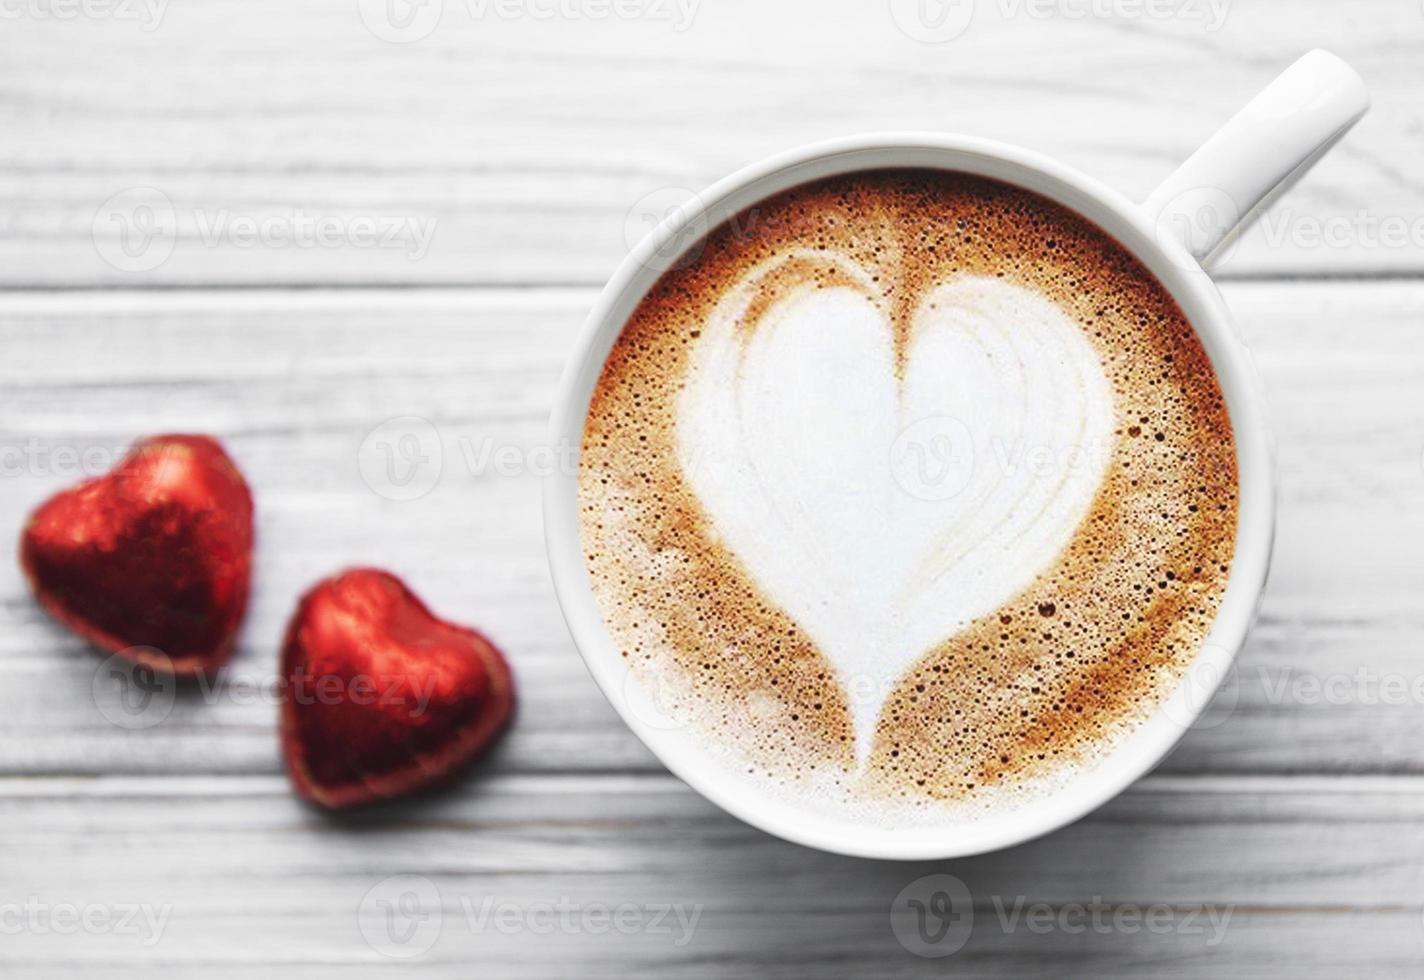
(1165, 257)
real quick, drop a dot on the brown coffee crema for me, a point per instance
(1046, 683)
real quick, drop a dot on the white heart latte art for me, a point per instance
(884, 511)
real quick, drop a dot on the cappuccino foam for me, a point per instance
(910, 490)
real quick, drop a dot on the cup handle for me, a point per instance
(1258, 154)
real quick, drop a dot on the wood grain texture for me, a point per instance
(1296, 872)
(536, 149)
(1329, 683)
(1313, 857)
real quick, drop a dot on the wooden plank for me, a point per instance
(295, 380)
(1316, 877)
(534, 149)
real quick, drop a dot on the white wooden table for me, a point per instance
(537, 147)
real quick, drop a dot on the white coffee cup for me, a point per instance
(1185, 223)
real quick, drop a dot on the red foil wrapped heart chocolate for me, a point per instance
(380, 697)
(155, 555)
